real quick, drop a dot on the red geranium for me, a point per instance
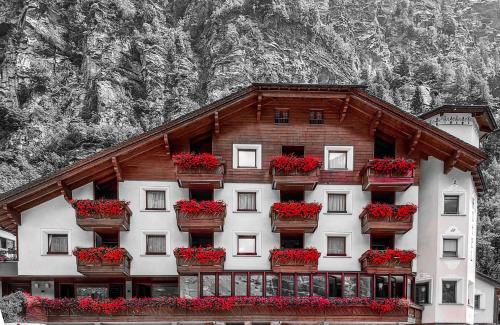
(187, 161)
(288, 164)
(398, 166)
(299, 210)
(201, 255)
(388, 211)
(97, 255)
(295, 256)
(192, 207)
(99, 208)
(390, 256)
(405, 211)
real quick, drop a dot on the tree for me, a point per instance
(417, 102)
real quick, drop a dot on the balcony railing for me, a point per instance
(192, 260)
(103, 261)
(302, 260)
(295, 173)
(392, 261)
(98, 214)
(294, 217)
(388, 175)
(199, 171)
(387, 218)
(204, 216)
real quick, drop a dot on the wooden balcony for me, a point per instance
(380, 181)
(104, 219)
(296, 224)
(295, 180)
(200, 222)
(195, 265)
(201, 178)
(385, 225)
(289, 265)
(104, 268)
(393, 266)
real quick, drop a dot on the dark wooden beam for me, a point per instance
(14, 215)
(117, 168)
(302, 94)
(375, 122)
(259, 106)
(216, 125)
(344, 109)
(414, 142)
(452, 161)
(65, 191)
(167, 145)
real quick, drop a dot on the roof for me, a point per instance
(433, 140)
(489, 279)
(482, 114)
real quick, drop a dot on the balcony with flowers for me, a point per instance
(103, 261)
(294, 217)
(388, 174)
(98, 214)
(192, 260)
(199, 171)
(392, 261)
(294, 260)
(200, 216)
(387, 218)
(295, 173)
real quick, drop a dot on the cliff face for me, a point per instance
(77, 76)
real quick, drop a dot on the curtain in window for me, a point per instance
(247, 201)
(58, 243)
(155, 200)
(156, 244)
(450, 247)
(337, 203)
(336, 245)
(337, 159)
(246, 158)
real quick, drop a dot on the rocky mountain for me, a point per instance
(79, 75)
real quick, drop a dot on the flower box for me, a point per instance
(295, 173)
(103, 261)
(95, 214)
(387, 218)
(388, 174)
(294, 260)
(191, 260)
(203, 216)
(391, 261)
(294, 217)
(203, 171)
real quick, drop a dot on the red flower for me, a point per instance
(98, 255)
(100, 208)
(300, 210)
(188, 161)
(389, 211)
(192, 207)
(201, 255)
(398, 166)
(295, 256)
(291, 164)
(405, 211)
(389, 256)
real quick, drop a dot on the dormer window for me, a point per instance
(316, 116)
(281, 116)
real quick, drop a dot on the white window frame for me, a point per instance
(44, 241)
(350, 157)
(459, 291)
(348, 201)
(462, 206)
(429, 281)
(460, 246)
(144, 234)
(258, 200)
(482, 302)
(258, 153)
(142, 198)
(258, 243)
(348, 243)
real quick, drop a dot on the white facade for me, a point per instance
(488, 306)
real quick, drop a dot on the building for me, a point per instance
(297, 167)
(486, 299)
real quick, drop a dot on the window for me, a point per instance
(247, 201)
(247, 158)
(449, 295)
(316, 117)
(477, 301)
(201, 240)
(422, 293)
(287, 285)
(291, 241)
(208, 288)
(164, 290)
(365, 286)
(381, 286)
(319, 285)
(247, 245)
(335, 285)
(156, 244)
(337, 203)
(336, 246)
(281, 116)
(94, 292)
(451, 204)
(350, 285)
(272, 287)
(224, 285)
(303, 285)
(240, 285)
(450, 247)
(256, 285)
(287, 196)
(297, 151)
(188, 286)
(57, 244)
(397, 286)
(337, 159)
(381, 242)
(201, 195)
(155, 200)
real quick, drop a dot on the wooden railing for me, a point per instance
(105, 268)
(90, 219)
(201, 177)
(296, 264)
(296, 224)
(387, 224)
(393, 266)
(199, 222)
(385, 181)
